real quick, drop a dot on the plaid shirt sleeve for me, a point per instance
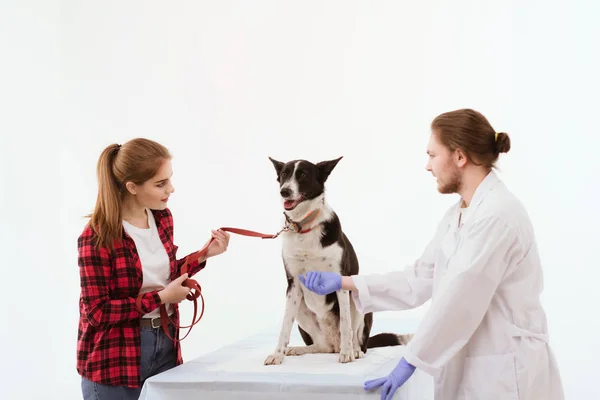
(95, 266)
(193, 267)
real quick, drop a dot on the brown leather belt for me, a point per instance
(153, 323)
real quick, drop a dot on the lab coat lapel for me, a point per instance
(452, 239)
(445, 252)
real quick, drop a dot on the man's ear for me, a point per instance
(325, 168)
(278, 165)
(460, 158)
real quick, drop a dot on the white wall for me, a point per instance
(225, 84)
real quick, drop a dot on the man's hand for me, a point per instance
(322, 282)
(393, 381)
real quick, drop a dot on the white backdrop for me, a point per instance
(225, 84)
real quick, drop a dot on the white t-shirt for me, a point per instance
(153, 257)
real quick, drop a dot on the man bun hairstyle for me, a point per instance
(470, 131)
(502, 142)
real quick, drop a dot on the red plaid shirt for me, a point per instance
(108, 340)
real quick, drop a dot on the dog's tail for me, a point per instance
(388, 339)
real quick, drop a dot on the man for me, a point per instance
(484, 335)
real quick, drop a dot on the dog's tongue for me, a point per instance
(289, 203)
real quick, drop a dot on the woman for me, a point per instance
(484, 335)
(127, 253)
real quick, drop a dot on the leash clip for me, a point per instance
(284, 229)
(291, 225)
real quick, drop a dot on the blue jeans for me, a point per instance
(158, 355)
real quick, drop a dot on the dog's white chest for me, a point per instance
(303, 253)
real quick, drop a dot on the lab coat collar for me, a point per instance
(484, 188)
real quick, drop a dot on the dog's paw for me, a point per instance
(274, 359)
(358, 354)
(295, 351)
(346, 356)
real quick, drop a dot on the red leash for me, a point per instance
(196, 290)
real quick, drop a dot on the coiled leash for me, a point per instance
(196, 290)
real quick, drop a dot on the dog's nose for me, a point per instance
(285, 192)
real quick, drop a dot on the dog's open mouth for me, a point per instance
(291, 204)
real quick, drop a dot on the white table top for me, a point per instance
(237, 372)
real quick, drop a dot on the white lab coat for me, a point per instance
(485, 334)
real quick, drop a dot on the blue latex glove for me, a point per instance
(393, 381)
(322, 282)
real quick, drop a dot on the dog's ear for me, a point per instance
(325, 168)
(277, 164)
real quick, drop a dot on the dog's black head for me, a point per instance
(301, 180)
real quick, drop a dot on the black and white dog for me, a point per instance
(313, 240)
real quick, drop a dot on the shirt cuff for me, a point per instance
(148, 302)
(420, 364)
(361, 297)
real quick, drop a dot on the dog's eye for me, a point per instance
(283, 174)
(302, 174)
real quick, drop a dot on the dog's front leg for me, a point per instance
(346, 349)
(293, 298)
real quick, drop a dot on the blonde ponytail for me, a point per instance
(106, 218)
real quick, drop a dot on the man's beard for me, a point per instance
(452, 184)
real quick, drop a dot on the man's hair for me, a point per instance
(471, 132)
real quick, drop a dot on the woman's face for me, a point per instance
(155, 192)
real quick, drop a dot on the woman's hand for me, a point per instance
(219, 244)
(175, 292)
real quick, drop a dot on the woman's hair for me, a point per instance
(135, 161)
(470, 131)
